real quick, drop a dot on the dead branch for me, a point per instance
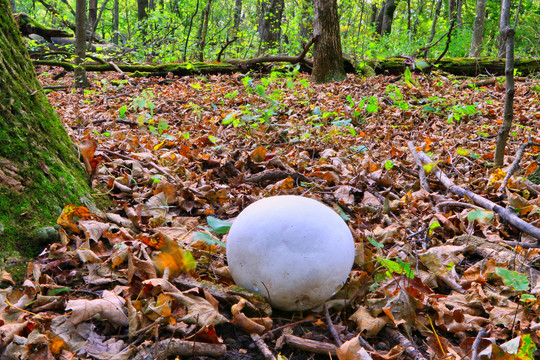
(516, 162)
(174, 347)
(276, 175)
(476, 344)
(276, 58)
(421, 172)
(409, 347)
(313, 346)
(263, 348)
(331, 327)
(229, 42)
(506, 214)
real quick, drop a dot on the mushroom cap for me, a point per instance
(295, 251)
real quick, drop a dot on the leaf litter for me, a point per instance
(435, 275)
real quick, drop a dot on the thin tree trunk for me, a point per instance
(418, 13)
(203, 30)
(13, 7)
(92, 14)
(116, 17)
(459, 14)
(327, 55)
(184, 56)
(237, 15)
(94, 27)
(478, 29)
(508, 117)
(388, 17)
(504, 22)
(81, 81)
(306, 24)
(434, 24)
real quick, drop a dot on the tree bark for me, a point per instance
(203, 30)
(270, 24)
(81, 81)
(478, 29)
(386, 17)
(508, 117)
(306, 25)
(237, 16)
(142, 6)
(327, 55)
(504, 22)
(39, 169)
(92, 13)
(434, 24)
(13, 7)
(116, 18)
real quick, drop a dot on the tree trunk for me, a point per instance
(203, 30)
(306, 24)
(504, 22)
(39, 170)
(270, 24)
(507, 34)
(116, 17)
(478, 29)
(237, 16)
(327, 55)
(142, 6)
(451, 9)
(81, 81)
(92, 13)
(385, 18)
(434, 24)
(13, 7)
(459, 14)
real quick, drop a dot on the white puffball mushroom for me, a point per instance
(295, 251)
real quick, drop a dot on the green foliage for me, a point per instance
(517, 281)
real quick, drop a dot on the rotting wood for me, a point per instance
(276, 175)
(409, 348)
(174, 347)
(506, 214)
(263, 348)
(312, 346)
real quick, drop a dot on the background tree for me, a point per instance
(478, 29)
(270, 23)
(508, 116)
(385, 18)
(327, 55)
(81, 81)
(39, 169)
(504, 22)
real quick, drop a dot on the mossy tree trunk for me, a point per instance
(39, 169)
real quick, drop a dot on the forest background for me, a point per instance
(175, 31)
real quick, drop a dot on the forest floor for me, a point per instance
(148, 278)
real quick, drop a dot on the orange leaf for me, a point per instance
(70, 211)
(259, 154)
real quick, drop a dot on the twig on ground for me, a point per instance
(331, 327)
(476, 344)
(313, 346)
(516, 162)
(421, 172)
(409, 347)
(263, 348)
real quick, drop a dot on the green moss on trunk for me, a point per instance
(39, 169)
